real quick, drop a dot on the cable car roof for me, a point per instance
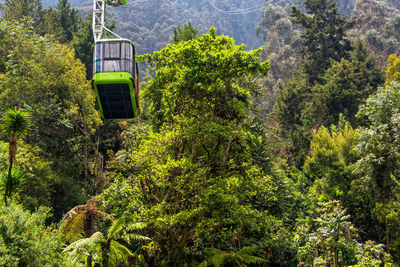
(115, 40)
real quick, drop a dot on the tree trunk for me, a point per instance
(335, 257)
(12, 151)
(105, 249)
(85, 154)
(387, 235)
(8, 184)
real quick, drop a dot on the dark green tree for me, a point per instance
(83, 43)
(68, 19)
(344, 87)
(186, 33)
(324, 37)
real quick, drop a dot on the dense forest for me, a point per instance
(282, 151)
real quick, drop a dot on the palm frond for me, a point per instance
(16, 179)
(219, 258)
(247, 255)
(118, 253)
(124, 226)
(80, 250)
(135, 226)
(16, 121)
(86, 243)
(73, 226)
(117, 226)
(132, 237)
(216, 257)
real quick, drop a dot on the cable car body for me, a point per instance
(116, 79)
(115, 72)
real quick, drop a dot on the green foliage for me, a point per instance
(393, 69)
(379, 164)
(16, 121)
(116, 2)
(50, 83)
(331, 162)
(17, 9)
(39, 181)
(372, 254)
(218, 258)
(324, 37)
(377, 24)
(25, 240)
(300, 107)
(332, 239)
(281, 50)
(204, 169)
(68, 19)
(345, 85)
(331, 168)
(188, 32)
(211, 68)
(83, 44)
(16, 180)
(105, 250)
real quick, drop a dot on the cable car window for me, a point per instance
(98, 58)
(123, 50)
(111, 66)
(128, 51)
(112, 50)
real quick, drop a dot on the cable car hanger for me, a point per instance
(99, 14)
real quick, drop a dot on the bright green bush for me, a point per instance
(25, 240)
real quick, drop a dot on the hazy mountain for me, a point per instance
(149, 23)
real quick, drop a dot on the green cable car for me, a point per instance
(116, 79)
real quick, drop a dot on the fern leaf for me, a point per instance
(73, 227)
(119, 253)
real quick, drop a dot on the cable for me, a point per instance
(238, 11)
(244, 10)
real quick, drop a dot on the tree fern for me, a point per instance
(73, 227)
(78, 217)
(100, 248)
(219, 258)
(81, 249)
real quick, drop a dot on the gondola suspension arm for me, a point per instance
(99, 14)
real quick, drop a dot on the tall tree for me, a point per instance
(16, 123)
(199, 164)
(324, 37)
(186, 33)
(379, 146)
(345, 85)
(68, 19)
(83, 44)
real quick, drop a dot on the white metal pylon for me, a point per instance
(99, 14)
